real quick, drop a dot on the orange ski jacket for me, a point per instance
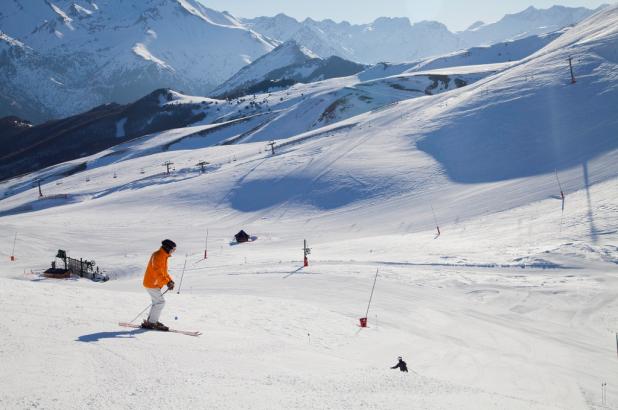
(156, 275)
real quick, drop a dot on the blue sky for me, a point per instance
(456, 14)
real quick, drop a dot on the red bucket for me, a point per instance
(12, 257)
(363, 322)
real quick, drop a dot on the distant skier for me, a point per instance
(401, 365)
(155, 278)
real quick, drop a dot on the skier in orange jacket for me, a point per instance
(155, 278)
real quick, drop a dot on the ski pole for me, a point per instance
(140, 313)
(183, 275)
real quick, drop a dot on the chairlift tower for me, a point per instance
(202, 164)
(272, 146)
(38, 184)
(167, 166)
(571, 68)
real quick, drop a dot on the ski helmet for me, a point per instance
(168, 244)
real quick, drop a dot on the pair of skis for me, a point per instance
(182, 332)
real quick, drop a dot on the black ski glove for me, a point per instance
(170, 285)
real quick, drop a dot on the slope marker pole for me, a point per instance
(604, 393)
(306, 251)
(562, 197)
(363, 320)
(559, 185)
(13, 251)
(183, 274)
(206, 246)
(435, 221)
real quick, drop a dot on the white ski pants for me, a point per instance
(158, 302)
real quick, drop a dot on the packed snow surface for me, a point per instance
(512, 306)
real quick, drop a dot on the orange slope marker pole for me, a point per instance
(13, 251)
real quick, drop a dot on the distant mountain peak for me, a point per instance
(429, 25)
(475, 25)
(294, 47)
(531, 21)
(283, 16)
(392, 22)
(286, 65)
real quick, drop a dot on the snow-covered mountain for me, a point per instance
(386, 39)
(288, 64)
(396, 40)
(525, 23)
(264, 114)
(484, 217)
(211, 122)
(61, 57)
(475, 134)
(495, 55)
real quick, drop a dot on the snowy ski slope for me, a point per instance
(513, 306)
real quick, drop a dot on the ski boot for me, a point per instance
(148, 325)
(160, 326)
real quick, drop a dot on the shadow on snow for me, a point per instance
(121, 334)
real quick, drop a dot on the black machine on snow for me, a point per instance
(82, 268)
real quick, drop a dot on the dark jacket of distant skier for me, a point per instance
(401, 365)
(155, 277)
